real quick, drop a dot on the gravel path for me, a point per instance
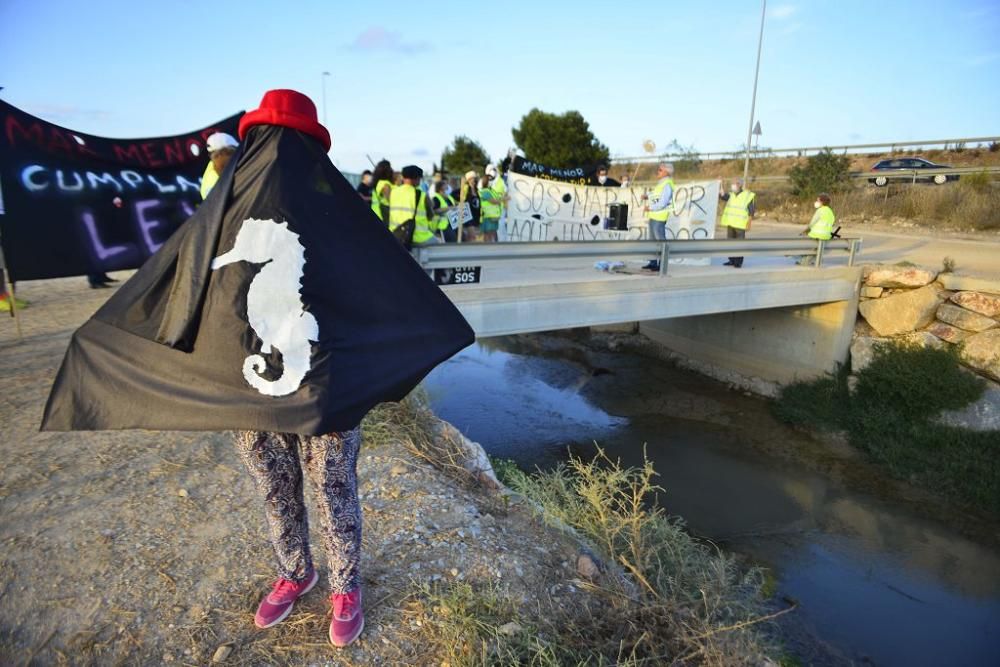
(140, 547)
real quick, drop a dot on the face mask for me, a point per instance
(602, 179)
(734, 188)
(816, 204)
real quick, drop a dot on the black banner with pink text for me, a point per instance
(73, 204)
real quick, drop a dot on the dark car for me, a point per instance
(905, 168)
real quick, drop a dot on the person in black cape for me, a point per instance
(281, 312)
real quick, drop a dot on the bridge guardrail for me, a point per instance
(447, 256)
(802, 151)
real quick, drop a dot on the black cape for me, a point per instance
(185, 346)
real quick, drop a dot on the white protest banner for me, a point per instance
(545, 210)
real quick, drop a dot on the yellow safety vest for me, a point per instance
(208, 179)
(737, 211)
(378, 201)
(821, 225)
(406, 204)
(489, 207)
(443, 202)
(663, 214)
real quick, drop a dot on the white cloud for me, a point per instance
(782, 12)
(378, 38)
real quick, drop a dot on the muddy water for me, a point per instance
(885, 574)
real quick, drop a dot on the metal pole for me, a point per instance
(753, 99)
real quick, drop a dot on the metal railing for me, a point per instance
(767, 152)
(448, 256)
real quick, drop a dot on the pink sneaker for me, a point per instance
(278, 604)
(348, 617)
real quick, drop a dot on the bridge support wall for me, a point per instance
(777, 345)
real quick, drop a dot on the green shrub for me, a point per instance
(823, 172)
(916, 381)
(892, 416)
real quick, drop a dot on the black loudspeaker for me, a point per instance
(618, 216)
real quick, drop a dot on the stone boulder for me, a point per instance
(901, 313)
(922, 339)
(960, 283)
(948, 333)
(982, 353)
(899, 276)
(982, 415)
(984, 304)
(964, 319)
(871, 292)
(863, 351)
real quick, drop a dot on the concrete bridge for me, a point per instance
(772, 319)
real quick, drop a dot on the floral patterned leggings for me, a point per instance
(331, 464)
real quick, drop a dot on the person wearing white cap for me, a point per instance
(221, 147)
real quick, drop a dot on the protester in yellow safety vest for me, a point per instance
(738, 214)
(491, 203)
(821, 225)
(442, 201)
(408, 202)
(382, 177)
(221, 147)
(658, 211)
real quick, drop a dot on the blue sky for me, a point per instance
(405, 79)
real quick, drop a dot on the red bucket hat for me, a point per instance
(287, 108)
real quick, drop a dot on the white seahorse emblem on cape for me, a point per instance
(274, 305)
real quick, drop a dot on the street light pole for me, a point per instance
(323, 79)
(753, 99)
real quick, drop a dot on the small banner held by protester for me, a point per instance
(546, 210)
(77, 204)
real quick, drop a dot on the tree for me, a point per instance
(823, 172)
(558, 140)
(463, 155)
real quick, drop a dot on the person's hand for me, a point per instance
(644, 196)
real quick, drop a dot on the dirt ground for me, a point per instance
(139, 547)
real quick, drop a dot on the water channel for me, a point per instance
(885, 574)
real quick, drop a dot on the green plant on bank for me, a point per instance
(680, 602)
(948, 265)
(892, 416)
(822, 172)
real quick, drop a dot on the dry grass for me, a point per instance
(777, 166)
(664, 598)
(969, 204)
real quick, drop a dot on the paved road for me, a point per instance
(980, 256)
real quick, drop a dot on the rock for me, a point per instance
(964, 319)
(510, 629)
(182, 493)
(863, 351)
(397, 470)
(948, 333)
(899, 276)
(852, 384)
(984, 304)
(586, 567)
(982, 353)
(969, 283)
(983, 415)
(871, 292)
(922, 339)
(901, 313)
(222, 653)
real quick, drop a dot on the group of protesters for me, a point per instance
(445, 210)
